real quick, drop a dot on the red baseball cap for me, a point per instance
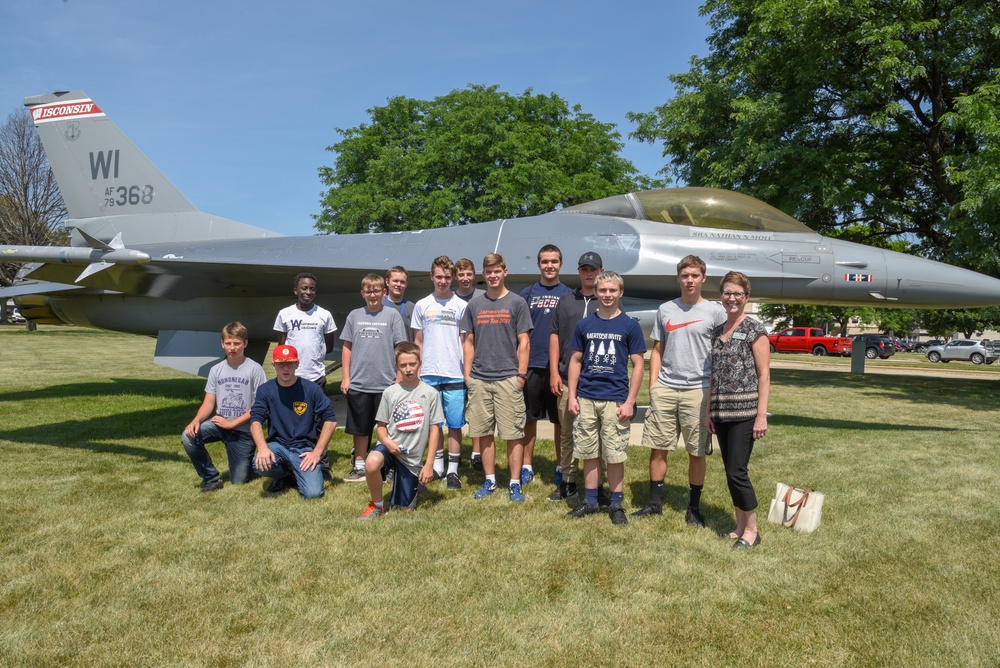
(285, 354)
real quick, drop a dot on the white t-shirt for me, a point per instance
(306, 331)
(439, 319)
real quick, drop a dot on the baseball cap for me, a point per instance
(590, 259)
(285, 354)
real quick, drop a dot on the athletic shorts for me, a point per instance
(539, 402)
(452, 392)
(361, 410)
(598, 431)
(404, 486)
(496, 406)
(676, 414)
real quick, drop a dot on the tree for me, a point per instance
(474, 154)
(867, 113)
(31, 207)
(968, 321)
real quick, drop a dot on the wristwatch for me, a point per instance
(522, 376)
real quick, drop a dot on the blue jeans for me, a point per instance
(287, 462)
(239, 450)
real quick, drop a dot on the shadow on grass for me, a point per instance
(176, 388)
(108, 434)
(826, 423)
(973, 394)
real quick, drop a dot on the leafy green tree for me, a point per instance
(833, 319)
(474, 154)
(968, 321)
(874, 114)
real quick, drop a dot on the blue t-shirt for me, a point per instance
(606, 346)
(542, 301)
(292, 413)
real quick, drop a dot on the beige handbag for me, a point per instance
(796, 508)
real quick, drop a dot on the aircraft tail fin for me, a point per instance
(99, 171)
(113, 191)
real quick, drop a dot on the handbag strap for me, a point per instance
(798, 505)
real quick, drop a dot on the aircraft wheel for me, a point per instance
(871, 353)
(977, 358)
(934, 356)
(819, 351)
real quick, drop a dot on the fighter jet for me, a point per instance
(144, 260)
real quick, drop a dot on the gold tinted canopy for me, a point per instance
(700, 207)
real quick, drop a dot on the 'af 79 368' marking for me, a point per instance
(122, 195)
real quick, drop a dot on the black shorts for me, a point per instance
(361, 410)
(539, 401)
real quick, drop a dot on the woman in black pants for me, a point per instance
(740, 384)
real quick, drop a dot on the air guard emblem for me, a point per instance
(299, 407)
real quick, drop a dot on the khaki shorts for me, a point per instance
(567, 420)
(675, 414)
(598, 430)
(496, 406)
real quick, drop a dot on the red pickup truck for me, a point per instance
(809, 340)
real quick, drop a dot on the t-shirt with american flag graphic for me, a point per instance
(408, 416)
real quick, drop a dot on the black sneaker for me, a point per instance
(279, 485)
(559, 494)
(618, 516)
(326, 476)
(648, 509)
(583, 509)
(572, 492)
(211, 486)
(477, 464)
(436, 476)
(453, 481)
(693, 517)
(603, 498)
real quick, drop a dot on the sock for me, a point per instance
(359, 464)
(591, 497)
(527, 467)
(492, 478)
(616, 499)
(695, 497)
(476, 457)
(453, 459)
(439, 462)
(379, 504)
(558, 469)
(656, 492)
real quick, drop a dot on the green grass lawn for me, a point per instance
(111, 556)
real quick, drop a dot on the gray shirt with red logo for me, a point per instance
(686, 333)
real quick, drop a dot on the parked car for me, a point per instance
(876, 345)
(976, 351)
(809, 340)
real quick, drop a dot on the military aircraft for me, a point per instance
(144, 260)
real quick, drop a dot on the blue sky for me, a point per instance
(236, 102)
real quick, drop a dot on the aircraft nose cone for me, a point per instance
(936, 285)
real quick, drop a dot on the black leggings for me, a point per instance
(736, 444)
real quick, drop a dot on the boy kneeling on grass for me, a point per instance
(602, 394)
(408, 423)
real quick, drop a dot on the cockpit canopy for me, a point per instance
(701, 207)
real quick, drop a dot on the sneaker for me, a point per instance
(515, 493)
(648, 509)
(572, 492)
(583, 509)
(280, 485)
(453, 481)
(356, 475)
(488, 488)
(211, 486)
(559, 494)
(326, 476)
(618, 516)
(693, 517)
(372, 512)
(390, 476)
(477, 464)
(527, 475)
(437, 476)
(603, 498)
(559, 477)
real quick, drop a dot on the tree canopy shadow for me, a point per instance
(172, 388)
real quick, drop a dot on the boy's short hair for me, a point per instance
(235, 329)
(396, 270)
(608, 276)
(548, 248)
(464, 264)
(407, 348)
(692, 261)
(300, 276)
(443, 262)
(737, 277)
(494, 260)
(373, 281)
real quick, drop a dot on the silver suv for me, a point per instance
(967, 350)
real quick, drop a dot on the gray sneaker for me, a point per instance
(453, 481)
(372, 512)
(356, 475)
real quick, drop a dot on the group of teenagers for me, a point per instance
(497, 362)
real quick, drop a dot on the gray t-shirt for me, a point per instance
(373, 338)
(495, 325)
(408, 416)
(234, 388)
(686, 333)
